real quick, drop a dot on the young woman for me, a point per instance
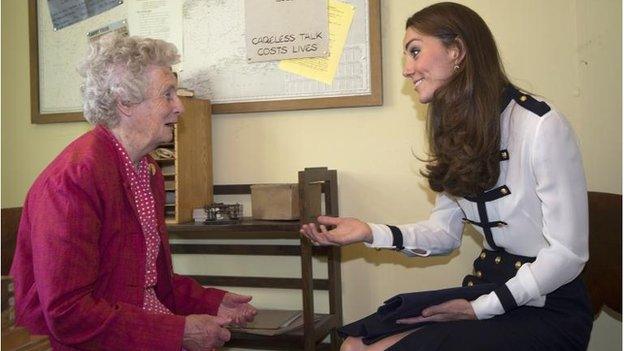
(505, 162)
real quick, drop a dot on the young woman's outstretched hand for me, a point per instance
(346, 231)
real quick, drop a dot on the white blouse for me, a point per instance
(541, 209)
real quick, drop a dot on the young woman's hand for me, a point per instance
(453, 310)
(346, 231)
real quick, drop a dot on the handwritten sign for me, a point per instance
(284, 29)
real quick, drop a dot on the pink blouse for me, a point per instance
(144, 200)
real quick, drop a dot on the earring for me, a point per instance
(456, 67)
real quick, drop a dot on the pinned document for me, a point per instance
(323, 69)
(157, 19)
(67, 12)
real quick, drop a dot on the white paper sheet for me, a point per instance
(158, 19)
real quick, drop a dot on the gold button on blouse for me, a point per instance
(523, 98)
(483, 255)
(497, 260)
(518, 264)
(479, 274)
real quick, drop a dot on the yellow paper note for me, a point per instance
(323, 69)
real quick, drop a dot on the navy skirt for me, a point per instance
(564, 323)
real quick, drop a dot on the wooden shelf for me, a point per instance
(165, 161)
(246, 225)
(190, 170)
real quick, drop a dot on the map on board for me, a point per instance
(216, 66)
(214, 58)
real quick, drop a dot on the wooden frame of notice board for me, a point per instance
(372, 99)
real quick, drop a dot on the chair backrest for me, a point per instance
(603, 272)
(10, 223)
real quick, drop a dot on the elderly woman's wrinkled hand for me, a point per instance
(237, 308)
(204, 332)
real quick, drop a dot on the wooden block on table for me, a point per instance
(277, 201)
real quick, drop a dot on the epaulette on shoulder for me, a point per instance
(540, 108)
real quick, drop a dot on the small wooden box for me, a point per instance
(276, 201)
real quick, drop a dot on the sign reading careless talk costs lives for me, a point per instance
(285, 29)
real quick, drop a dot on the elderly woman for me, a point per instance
(92, 267)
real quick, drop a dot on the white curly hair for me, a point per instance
(114, 70)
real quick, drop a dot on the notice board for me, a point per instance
(214, 63)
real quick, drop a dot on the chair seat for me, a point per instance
(603, 271)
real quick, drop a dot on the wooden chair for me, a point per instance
(15, 338)
(10, 222)
(603, 272)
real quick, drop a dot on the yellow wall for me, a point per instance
(567, 51)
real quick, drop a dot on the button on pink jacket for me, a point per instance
(79, 266)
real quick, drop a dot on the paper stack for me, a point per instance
(273, 322)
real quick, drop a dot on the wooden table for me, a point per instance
(311, 335)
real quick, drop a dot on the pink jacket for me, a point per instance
(79, 266)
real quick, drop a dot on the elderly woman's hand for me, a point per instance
(237, 308)
(204, 332)
(346, 231)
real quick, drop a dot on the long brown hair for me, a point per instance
(463, 125)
